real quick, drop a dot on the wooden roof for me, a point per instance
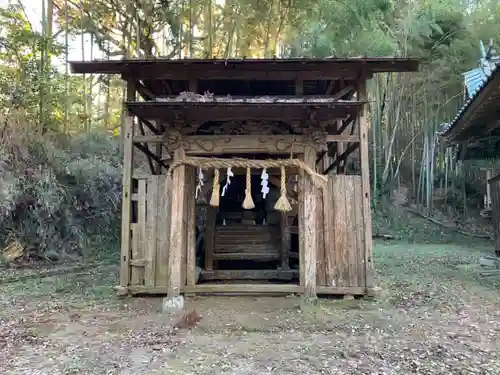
(200, 108)
(328, 68)
(479, 118)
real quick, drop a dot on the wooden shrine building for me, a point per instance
(476, 131)
(258, 179)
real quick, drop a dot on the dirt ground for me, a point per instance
(436, 315)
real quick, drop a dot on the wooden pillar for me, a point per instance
(340, 150)
(210, 237)
(128, 162)
(308, 236)
(191, 227)
(285, 241)
(365, 186)
(177, 227)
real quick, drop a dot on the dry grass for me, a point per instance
(436, 316)
(57, 193)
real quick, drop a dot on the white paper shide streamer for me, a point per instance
(264, 177)
(200, 184)
(229, 174)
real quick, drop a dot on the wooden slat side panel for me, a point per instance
(359, 231)
(351, 248)
(163, 231)
(134, 271)
(151, 230)
(340, 228)
(329, 233)
(141, 228)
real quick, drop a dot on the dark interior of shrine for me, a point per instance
(248, 240)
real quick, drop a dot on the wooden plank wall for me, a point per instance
(341, 253)
(495, 209)
(150, 232)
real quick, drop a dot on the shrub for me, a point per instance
(59, 196)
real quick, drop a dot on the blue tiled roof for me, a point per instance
(476, 87)
(474, 80)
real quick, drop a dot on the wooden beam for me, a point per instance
(211, 74)
(346, 90)
(345, 123)
(221, 144)
(150, 126)
(128, 162)
(342, 138)
(197, 113)
(149, 153)
(365, 189)
(143, 91)
(343, 157)
(250, 289)
(143, 148)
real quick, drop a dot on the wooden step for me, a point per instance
(237, 227)
(261, 256)
(264, 247)
(248, 274)
(247, 242)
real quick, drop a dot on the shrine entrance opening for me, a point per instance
(253, 244)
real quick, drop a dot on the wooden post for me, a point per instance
(210, 237)
(191, 228)
(365, 186)
(177, 227)
(285, 241)
(128, 162)
(340, 150)
(487, 204)
(308, 243)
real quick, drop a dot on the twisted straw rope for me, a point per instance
(283, 182)
(248, 202)
(318, 180)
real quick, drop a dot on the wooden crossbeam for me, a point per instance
(345, 123)
(343, 157)
(145, 149)
(143, 91)
(150, 159)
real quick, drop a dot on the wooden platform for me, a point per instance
(250, 289)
